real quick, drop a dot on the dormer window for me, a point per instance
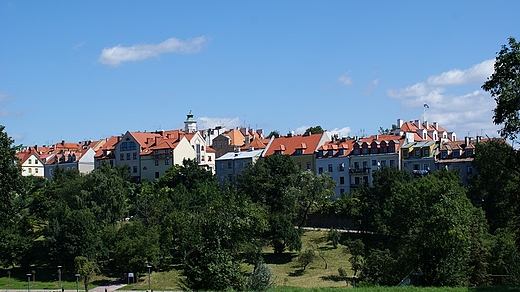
(299, 151)
(417, 152)
(341, 152)
(444, 154)
(405, 152)
(426, 152)
(469, 152)
(278, 152)
(456, 153)
(331, 152)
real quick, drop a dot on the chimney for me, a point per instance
(436, 126)
(399, 123)
(417, 124)
(467, 140)
(426, 125)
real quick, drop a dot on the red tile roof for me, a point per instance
(289, 145)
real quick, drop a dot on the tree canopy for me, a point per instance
(504, 87)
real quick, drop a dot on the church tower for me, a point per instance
(190, 124)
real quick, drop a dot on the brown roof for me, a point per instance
(288, 145)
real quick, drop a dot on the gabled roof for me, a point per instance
(289, 145)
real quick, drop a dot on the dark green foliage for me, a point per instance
(71, 233)
(504, 86)
(315, 130)
(211, 240)
(133, 245)
(189, 174)
(282, 234)
(506, 259)
(425, 228)
(356, 249)
(16, 233)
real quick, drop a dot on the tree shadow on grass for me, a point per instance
(335, 278)
(278, 259)
(297, 273)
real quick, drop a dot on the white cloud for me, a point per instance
(343, 132)
(476, 74)
(5, 99)
(114, 56)
(455, 99)
(209, 122)
(78, 45)
(345, 79)
(371, 87)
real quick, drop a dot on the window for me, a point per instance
(237, 164)
(405, 152)
(356, 180)
(135, 169)
(456, 153)
(383, 163)
(127, 146)
(35, 161)
(391, 149)
(330, 167)
(167, 162)
(426, 152)
(135, 155)
(30, 170)
(36, 170)
(342, 167)
(374, 162)
(341, 152)
(373, 150)
(469, 153)
(392, 163)
(356, 165)
(365, 180)
(299, 151)
(122, 156)
(365, 164)
(156, 174)
(229, 165)
(469, 169)
(444, 154)
(29, 161)
(299, 165)
(221, 165)
(416, 167)
(320, 170)
(365, 150)
(308, 165)
(127, 156)
(426, 166)
(417, 152)
(341, 191)
(341, 180)
(331, 152)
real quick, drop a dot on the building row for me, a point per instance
(415, 146)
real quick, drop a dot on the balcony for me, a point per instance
(161, 156)
(363, 170)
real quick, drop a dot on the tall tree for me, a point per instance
(504, 86)
(269, 183)
(11, 187)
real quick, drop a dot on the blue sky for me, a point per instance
(78, 70)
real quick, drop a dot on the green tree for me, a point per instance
(306, 257)
(315, 130)
(212, 238)
(261, 279)
(134, 245)
(275, 134)
(425, 228)
(86, 268)
(72, 233)
(189, 174)
(356, 248)
(504, 87)
(14, 228)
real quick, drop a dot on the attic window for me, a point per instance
(299, 151)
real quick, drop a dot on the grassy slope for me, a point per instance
(289, 275)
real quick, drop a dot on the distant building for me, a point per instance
(231, 164)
